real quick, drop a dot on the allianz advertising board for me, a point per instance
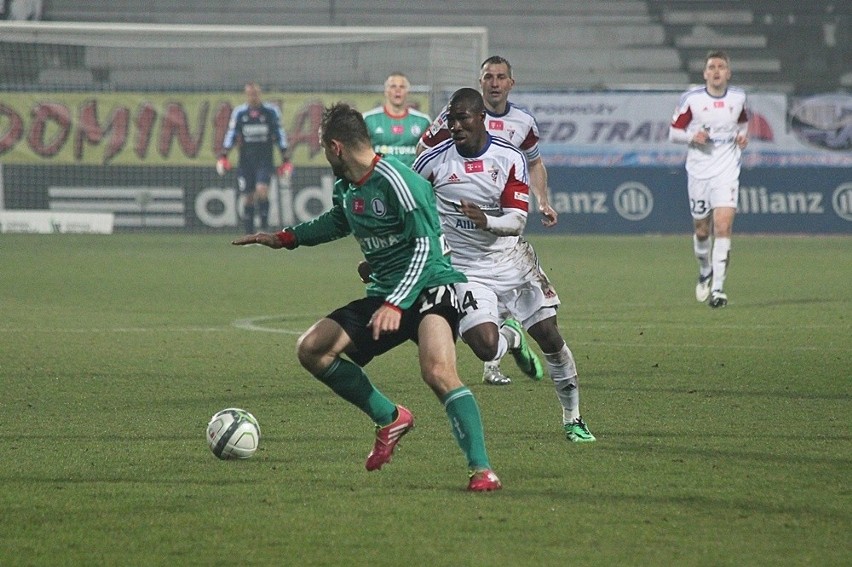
(612, 169)
(149, 160)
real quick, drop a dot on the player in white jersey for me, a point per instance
(713, 120)
(517, 125)
(482, 188)
(504, 120)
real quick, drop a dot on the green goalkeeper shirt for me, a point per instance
(394, 218)
(396, 135)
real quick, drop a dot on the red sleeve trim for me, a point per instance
(682, 121)
(530, 141)
(431, 139)
(396, 308)
(516, 193)
(287, 238)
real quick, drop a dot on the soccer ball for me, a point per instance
(233, 433)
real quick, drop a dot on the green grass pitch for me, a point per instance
(723, 435)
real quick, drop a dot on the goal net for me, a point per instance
(128, 119)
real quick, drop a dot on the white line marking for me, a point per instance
(251, 324)
(256, 324)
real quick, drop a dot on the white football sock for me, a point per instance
(513, 338)
(563, 371)
(702, 254)
(721, 254)
(502, 347)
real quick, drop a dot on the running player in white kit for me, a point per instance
(517, 125)
(713, 120)
(482, 187)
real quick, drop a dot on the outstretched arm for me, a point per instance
(284, 239)
(260, 238)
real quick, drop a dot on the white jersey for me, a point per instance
(723, 117)
(517, 125)
(497, 179)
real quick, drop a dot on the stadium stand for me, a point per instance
(553, 43)
(794, 47)
(785, 45)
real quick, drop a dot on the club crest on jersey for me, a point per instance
(378, 207)
(358, 206)
(397, 129)
(495, 125)
(475, 166)
(416, 130)
(494, 172)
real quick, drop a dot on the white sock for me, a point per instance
(513, 338)
(721, 254)
(702, 254)
(563, 371)
(502, 347)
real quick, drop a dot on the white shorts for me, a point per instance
(515, 287)
(708, 194)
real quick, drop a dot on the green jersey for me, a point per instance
(396, 135)
(394, 218)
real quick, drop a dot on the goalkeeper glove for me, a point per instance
(285, 170)
(223, 165)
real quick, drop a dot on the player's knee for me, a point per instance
(440, 376)
(310, 351)
(483, 349)
(702, 229)
(546, 334)
(722, 230)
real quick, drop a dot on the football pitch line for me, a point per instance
(254, 323)
(261, 324)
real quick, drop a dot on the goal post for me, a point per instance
(128, 118)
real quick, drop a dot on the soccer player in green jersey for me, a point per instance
(395, 128)
(391, 212)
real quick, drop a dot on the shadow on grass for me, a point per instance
(657, 499)
(784, 302)
(790, 457)
(718, 392)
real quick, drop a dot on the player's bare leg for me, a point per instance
(319, 350)
(437, 351)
